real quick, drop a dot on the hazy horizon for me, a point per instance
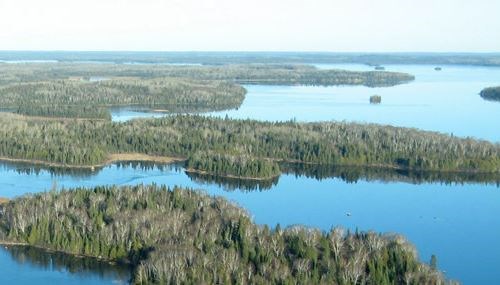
(385, 26)
(255, 52)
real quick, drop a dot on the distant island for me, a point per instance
(87, 91)
(375, 99)
(491, 93)
(181, 236)
(437, 68)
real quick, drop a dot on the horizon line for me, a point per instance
(250, 51)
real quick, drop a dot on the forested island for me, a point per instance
(68, 143)
(83, 99)
(491, 93)
(174, 236)
(270, 74)
(232, 166)
(72, 91)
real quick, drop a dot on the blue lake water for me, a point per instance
(459, 222)
(21, 265)
(446, 101)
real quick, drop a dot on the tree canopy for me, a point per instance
(87, 143)
(174, 236)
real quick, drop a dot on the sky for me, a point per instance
(251, 25)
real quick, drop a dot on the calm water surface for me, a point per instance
(446, 101)
(458, 222)
(27, 265)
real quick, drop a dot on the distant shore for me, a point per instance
(117, 157)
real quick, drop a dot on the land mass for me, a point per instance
(245, 148)
(491, 93)
(112, 158)
(68, 90)
(174, 236)
(83, 99)
(217, 58)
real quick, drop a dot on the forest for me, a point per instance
(491, 93)
(84, 99)
(86, 91)
(232, 165)
(269, 74)
(181, 236)
(87, 143)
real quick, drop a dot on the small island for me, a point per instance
(438, 68)
(379, 67)
(375, 99)
(238, 166)
(491, 93)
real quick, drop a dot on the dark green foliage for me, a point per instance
(60, 111)
(433, 262)
(232, 183)
(491, 93)
(175, 236)
(334, 143)
(84, 99)
(236, 166)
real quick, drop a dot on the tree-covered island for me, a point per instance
(180, 236)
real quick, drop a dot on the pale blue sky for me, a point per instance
(250, 25)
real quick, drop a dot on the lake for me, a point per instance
(459, 222)
(446, 101)
(28, 265)
(456, 217)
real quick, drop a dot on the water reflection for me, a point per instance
(439, 215)
(25, 168)
(81, 268)
(353, 174)
(348, 174)
(233, 184)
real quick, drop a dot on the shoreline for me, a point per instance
(6, 244)
(112, 158)
(390, 167)
(52, 119)
(138, 157)
(203, 172)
